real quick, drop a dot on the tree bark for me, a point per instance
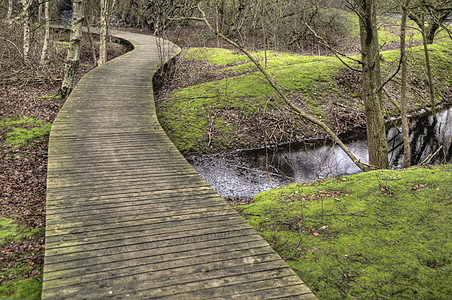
(73, 55)
(91, 41)
(10, 10)
(103, 36)
(26, 24)
(403, 112)
(376, 131)
(46, 33)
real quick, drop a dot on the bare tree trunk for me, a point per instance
(40, 10)
(103, 36)
(10, 10)
(26, 24)
(403, 112)
(429, 69)
(73, 54)
(46, 33)
(91, 41)
(376, 131)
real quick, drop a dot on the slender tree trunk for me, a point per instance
(429, 69)
(40, 11)
(376, 131)
(217, 24)
(73, 54)
(46, 32)
(403, 112)
(10, 10)
(26, 24)
(91, 41)
(103, 36)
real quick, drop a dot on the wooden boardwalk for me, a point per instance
(128, 217)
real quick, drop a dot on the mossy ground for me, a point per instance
(234, 107)
(19, 132)
(17, 272)
(377, 235)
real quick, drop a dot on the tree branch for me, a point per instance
(336, 53)
(275, 86)
(393, 75)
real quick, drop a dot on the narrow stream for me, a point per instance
(243, 174)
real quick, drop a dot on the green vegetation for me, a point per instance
(52, 97)
(10, 230)
(190, 115)
(20, 132)
(377, 235)
(15, 278)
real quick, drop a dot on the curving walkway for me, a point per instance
(128, 217)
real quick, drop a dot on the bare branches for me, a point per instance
(15, 46)
(275, 86)
(338, 54)
(393, 75)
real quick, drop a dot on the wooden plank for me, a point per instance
(128, 217)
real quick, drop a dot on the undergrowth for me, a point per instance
(376, 235)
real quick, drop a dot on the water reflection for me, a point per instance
(246, 173)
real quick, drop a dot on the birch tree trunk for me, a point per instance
(46, 32)
(403, 112)
(73, 54)
(26, 24)
(376, 131)
(10, 10)
(103, 36)
(40, 10)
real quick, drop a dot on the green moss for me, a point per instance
(20, 132)
(214, 56)
(375, 235)
(25, 288)
(16, 285)
(11, 231)
(52, 97)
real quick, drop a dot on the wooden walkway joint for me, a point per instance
(128, 217)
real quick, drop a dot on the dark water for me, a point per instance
(245, 173)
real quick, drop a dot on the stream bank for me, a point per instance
(244, 173)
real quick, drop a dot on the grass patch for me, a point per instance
(375, 235)
(20, 132)
(20, 276)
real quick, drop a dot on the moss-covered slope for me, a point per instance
(241, 110)
(377, 235)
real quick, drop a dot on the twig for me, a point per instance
(430, 156)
